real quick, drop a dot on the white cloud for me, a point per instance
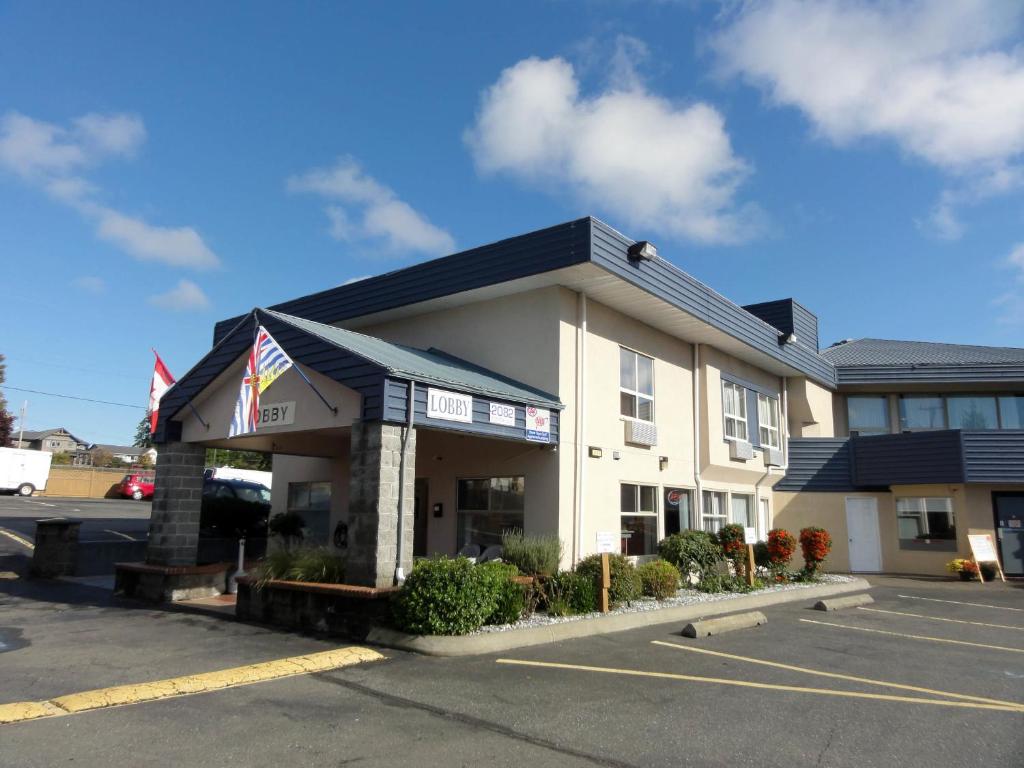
(943, 80)
(1016, 259)
(90, 284)
(383, 217)
(53, 158)
(177, 246)
(184, 297)
(665, 167)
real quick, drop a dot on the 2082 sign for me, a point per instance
(503, 414)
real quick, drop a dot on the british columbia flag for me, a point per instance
(266, 362)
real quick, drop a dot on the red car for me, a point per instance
(136, 486)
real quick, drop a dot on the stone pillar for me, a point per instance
(373, 514)
(177, 497)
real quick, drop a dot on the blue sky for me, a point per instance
(165, 167)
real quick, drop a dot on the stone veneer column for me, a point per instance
(373, 514)
(177, 498)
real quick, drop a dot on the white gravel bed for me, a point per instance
(683, 597)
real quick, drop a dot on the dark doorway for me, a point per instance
(1009, 512)
(419, 530)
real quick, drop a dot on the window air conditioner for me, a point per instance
(773, 457)
(641, 433)
(740, 449)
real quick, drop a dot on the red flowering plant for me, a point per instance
(815, 543)
(781, 546)
(733, 547)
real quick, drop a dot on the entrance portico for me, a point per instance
(354, 425)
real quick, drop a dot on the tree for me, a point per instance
(221, 457)
(143, 439)
(101, 458)
(6, 417)
(61, 459)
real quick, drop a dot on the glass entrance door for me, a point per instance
(1009, 512)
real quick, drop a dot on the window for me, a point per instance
(768, 421)
(922, 412)
(639, 507)
(713, 518)
(1011, 412)
(678, 505)
(741, 510)
(734, 406)
(636, 385)
(868, 414)
(972, 412)
(487, 507)
(926, 523)
(311, 501)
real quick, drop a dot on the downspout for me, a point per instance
(698, 504)
(784, 435)
(399, 571)
(581, 432)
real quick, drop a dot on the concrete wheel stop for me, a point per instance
(721, 624)
(847, 601)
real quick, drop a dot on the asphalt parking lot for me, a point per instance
(102, 519)
(640, 698)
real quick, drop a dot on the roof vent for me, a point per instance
(642, 250)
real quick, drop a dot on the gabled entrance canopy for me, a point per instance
(380, 371)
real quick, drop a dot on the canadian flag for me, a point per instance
(162, 381)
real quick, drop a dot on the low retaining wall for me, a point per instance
(334, 609)
(84, 482)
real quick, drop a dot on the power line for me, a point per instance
(72, 397)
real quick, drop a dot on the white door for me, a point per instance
(862, 530)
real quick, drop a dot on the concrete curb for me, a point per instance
(850, 601)
(495, 642)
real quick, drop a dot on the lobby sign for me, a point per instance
(275, 414)
(504, 414)
(538, 424)
(449, 406)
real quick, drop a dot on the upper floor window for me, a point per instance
(922, 412)
(734, 408)
(972, 412)
(768, 421)
(868, 414)
(1011, 412)
(636, 385)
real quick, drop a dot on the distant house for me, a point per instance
(130, 454)
(57, 440)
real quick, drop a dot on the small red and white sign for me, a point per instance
(538, 424)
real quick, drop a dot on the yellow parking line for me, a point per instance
(914, 637)
(23, 541)
(961, 602)
(839, 676)
(763, 686)
(182, 686)
(941, 618)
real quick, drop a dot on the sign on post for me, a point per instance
(607, 541)
(983, 550)
(606, 581)
(750, 539)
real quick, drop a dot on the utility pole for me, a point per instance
(21, 423)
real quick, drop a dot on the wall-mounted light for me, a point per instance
(642, 250)
(595, 452)
(616, 455)
(439, 510)
(787, 338)
(662, 462)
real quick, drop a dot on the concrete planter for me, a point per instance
(496, 642)
(341, 610)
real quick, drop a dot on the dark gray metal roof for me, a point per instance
(583, 241)
(877, 361)
(425, 366)
(39, 434)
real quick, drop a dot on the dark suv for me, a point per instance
(233, 509)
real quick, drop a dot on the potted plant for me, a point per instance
(968, 569)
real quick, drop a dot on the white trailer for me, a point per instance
(232, 473)
(24, 471)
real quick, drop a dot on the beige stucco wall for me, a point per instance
(813, 410)
(972, 510)
(296, 469)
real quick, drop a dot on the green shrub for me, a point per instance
(446, 596)
(287, 525)
(533, 555)
(313, 564)
(691, 551)
(723, 582)
(626, 585)
(659, 579)
(568, 593)
(762, 558)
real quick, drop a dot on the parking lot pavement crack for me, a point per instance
(828, 744)
(470, 721)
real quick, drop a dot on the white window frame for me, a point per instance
(656, 491)
(705, 515)
(741, 418)
(751, 509)
(921, 515)
(636, 394)
(771, 405)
